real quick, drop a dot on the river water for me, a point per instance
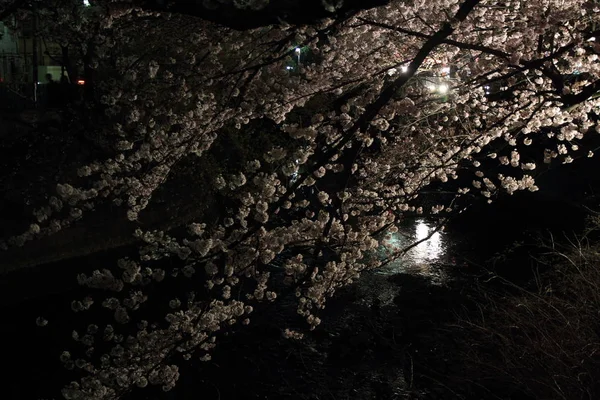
(424, 259)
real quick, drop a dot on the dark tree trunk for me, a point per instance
(89, 72)
(68, 64)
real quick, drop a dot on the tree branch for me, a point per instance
(460, 45)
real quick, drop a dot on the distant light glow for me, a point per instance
(288, 68)
(443, 88)
(297, 50)
(86, 3)
(392, 71)
(592, 39)
(81, 82)
(404, 68)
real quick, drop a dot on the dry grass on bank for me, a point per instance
(540, 341)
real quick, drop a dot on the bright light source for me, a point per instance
(443, 88)
(592, 39)
(486, 87)
(86, 3)
(392, 71)
(298, 52)
(404, 68)
(288, 67)
(81, 82)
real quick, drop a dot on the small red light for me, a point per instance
(81, 82)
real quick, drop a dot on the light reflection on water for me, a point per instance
(421, 259)
(431, 249)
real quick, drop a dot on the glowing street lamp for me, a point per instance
(297, 50)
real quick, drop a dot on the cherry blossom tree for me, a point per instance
(375, 106)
